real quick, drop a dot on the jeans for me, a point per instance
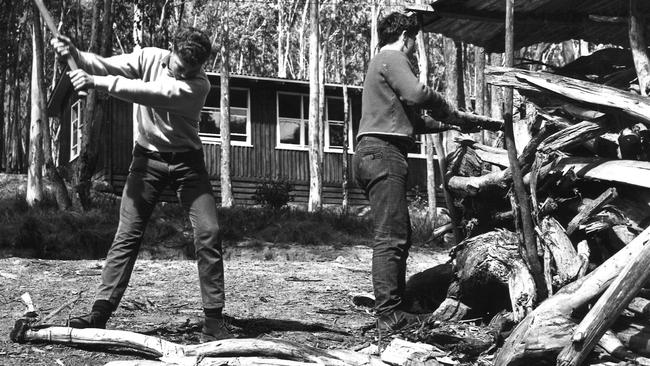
(149, 174)
(381, 169)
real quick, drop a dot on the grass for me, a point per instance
(46, 232)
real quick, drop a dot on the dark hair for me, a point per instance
(391, 27)
(192, 46)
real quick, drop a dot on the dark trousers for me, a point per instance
(381, 169)
(150, 173)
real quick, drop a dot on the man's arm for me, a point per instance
(184, 97)
(411, 91)
(426, 124)
(126, 65)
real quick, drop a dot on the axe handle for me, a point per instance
(47, 17)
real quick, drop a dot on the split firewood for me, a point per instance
(565, 257)
(169, 351)
(618, 171)
(549, 328)
(574, 89)
(571, 136)
(591, 208)
(608, 307)
(636, 338)
(400, 352)
(641, 307)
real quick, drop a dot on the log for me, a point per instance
(636, 338)
(577, 90)
(548, 328)
(213, 361)
(492, 274)
(571, 136)
(618, 171)
(489, 154)
(165, 350)
(591, 208)
(591, 93)
(610, 305)
(567, 262)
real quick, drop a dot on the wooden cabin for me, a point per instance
(269, 138)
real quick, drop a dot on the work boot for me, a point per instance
(99, 314)
(93, 320)
(215, 329)
(399, 319)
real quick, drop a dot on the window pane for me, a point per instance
(238, 98)
(237, 124)
(334, 109)
(209, 122)
(214, 97)
(305, 110)
(417, 148)
(289, 132)
(289, 106)
(336, 135)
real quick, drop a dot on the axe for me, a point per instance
(47, 17)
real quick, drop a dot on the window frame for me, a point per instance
(304, 124)
(215, 139)
(327, 146)
(75, 149)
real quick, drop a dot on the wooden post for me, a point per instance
(639, 46)
(610, 305)
(521, 196)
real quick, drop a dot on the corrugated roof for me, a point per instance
(481, 22)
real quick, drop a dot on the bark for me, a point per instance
(315, 173)
(616, 171)
(38, 118)
(639, 46)
(572, 136)
(423, 41)
(492, 274)
(165, 350)
(479, 66)
(521, 196)
(548, 328)
(224, 128)
(565, 257)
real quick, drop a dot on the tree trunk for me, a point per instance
(452, 93)
(374, 36)
(639, 46)
(481, 86)
(38, 118)
(346, 127)
(496, 96)
(315, 174)
(95, 114)
(224, 128)
(301, 42)
(423, 41)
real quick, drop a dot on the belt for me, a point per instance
(168, 156)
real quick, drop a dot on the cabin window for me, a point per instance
(293, 122)
(240, 125)
(418, 150)
(334, 125)
(76, 119)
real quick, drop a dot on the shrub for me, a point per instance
(273, 194)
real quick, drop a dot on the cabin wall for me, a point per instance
(250, 165)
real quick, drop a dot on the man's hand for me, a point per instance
(81, 80)
(63, 47)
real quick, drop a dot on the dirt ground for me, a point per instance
(291, 292)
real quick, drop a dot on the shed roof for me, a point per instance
(481, 22)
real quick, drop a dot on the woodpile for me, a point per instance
(586, 170)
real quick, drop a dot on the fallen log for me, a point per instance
(571, 136)
(165, 350)
(548, 328)
(493, 276)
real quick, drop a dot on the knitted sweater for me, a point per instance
(166, 110)
(392, 99)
